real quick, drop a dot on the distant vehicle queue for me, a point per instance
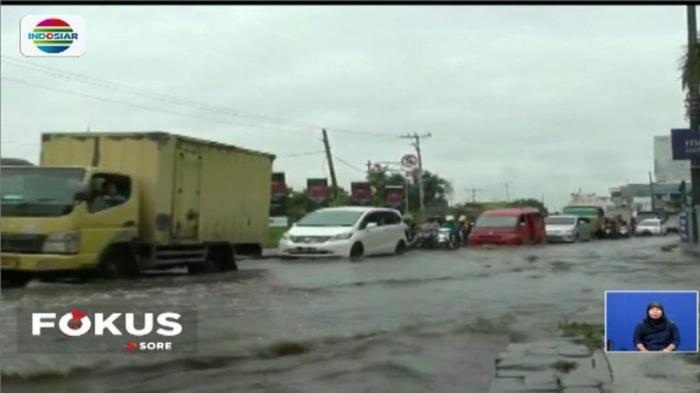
(355, 232)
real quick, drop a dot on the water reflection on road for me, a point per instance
(425, 321)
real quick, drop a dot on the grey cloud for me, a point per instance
(548, 98)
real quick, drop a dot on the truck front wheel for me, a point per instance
(118, 262)
(222, 257)
(15, 279)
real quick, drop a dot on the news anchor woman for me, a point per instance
(656, 332)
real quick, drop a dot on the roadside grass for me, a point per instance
(591, 335)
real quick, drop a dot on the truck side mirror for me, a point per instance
(83, 195)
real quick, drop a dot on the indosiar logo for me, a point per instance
(52, 35)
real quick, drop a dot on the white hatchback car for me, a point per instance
(567, 228)
(345, 232)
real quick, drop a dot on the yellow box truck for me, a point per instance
(120, 203)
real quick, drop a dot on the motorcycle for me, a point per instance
(426, 239)
(447, 240)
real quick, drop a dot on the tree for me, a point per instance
(297, 206)
(436, 189)
(690, 76)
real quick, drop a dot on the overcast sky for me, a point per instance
(548, 99)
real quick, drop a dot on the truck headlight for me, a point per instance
(62, 243)
(342, 236)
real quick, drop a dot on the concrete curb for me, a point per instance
(692, 249)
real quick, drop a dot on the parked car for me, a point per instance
(568, 228)
(508, 227)
(650, 227)
(345, 232)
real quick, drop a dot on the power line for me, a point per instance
(122, 88)
(104, 99)
(310, 153)
(473, 190)
(347, 164)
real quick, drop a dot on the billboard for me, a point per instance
(685, 144)
(395, 196)
(278, 195)
(317, 193)
(361, 193)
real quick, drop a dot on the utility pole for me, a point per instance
(329, 157)
(473, 191)
(369, 167)
(651, 191)
(694, 116)
(416, 143)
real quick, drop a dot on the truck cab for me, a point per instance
(63, 219)
(595, 214)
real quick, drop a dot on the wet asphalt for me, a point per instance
(425, 321)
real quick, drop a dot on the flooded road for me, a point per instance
(426, 321)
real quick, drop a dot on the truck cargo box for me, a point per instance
(192, 191)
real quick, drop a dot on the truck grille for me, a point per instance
(309, 239)
(31, 244)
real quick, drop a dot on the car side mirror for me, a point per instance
(371, 225)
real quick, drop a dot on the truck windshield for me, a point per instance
(39, 192)
(585, 211)
(560, 221)
(496, 222)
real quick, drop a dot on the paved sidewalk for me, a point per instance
(561, 366)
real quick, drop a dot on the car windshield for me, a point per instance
(560, 221)
(39, 192)
(334, 218)
(496, 222)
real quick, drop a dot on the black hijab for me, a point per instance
(651, 325)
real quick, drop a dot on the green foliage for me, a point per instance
(690, 67)
(436, 189)
(590, 334)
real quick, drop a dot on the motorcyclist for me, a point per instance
(427, 235)
(452, 225)
(410, 227)
(464, 228)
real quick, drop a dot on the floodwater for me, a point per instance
(427, 321)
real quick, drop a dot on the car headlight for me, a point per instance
(62, 243)
(342, 236)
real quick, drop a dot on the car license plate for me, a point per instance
(9, 261)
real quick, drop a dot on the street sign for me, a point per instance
(409, 161)
(683, 226)
(685, 144)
